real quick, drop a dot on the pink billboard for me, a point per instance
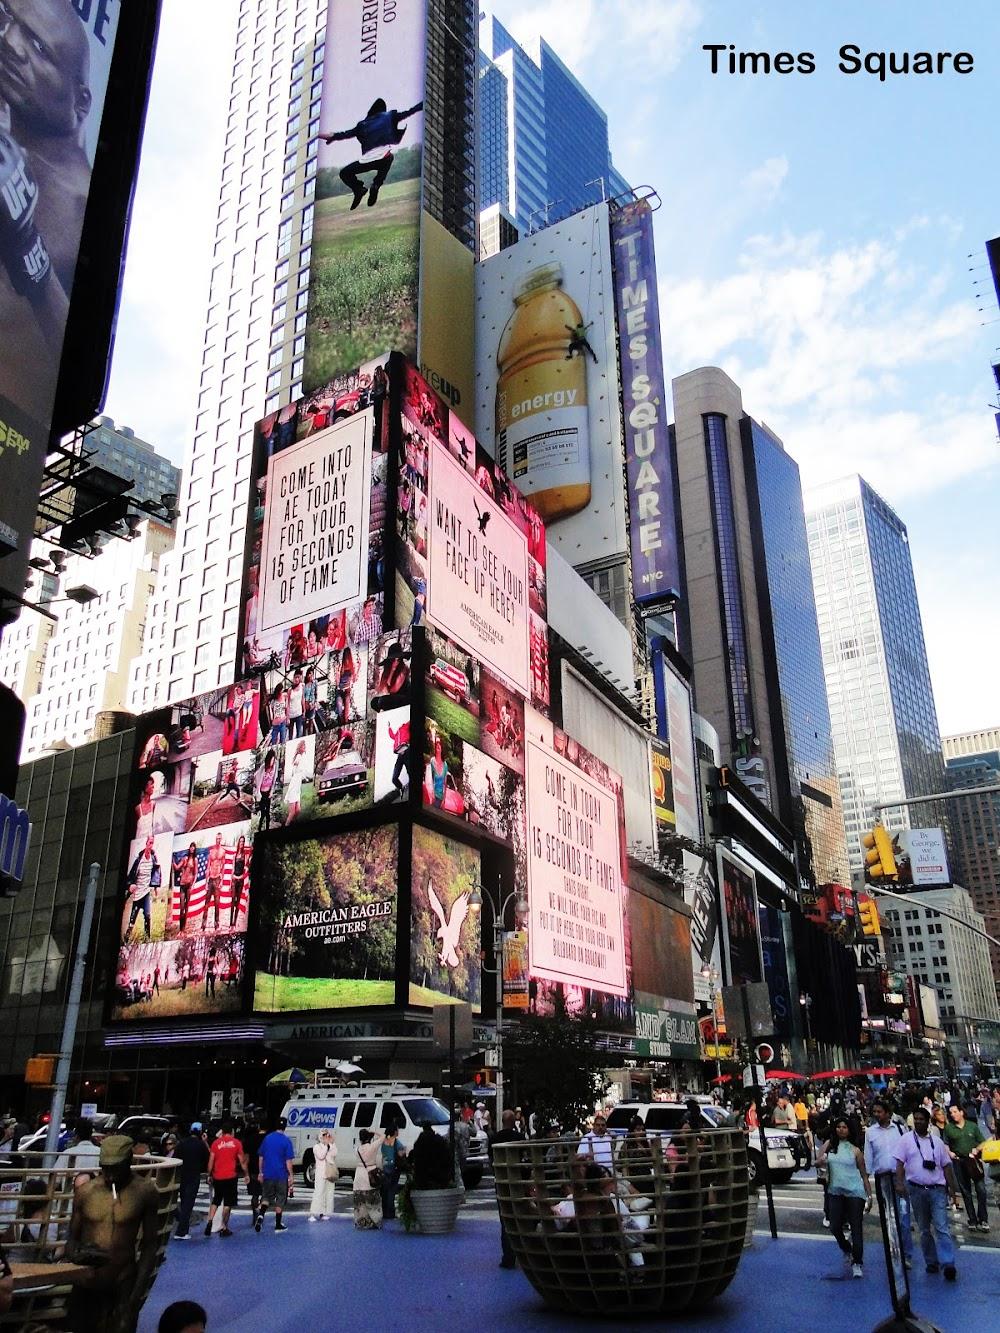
(576, 889)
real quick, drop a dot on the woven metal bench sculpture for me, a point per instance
(33, 1191)
(658, 1234)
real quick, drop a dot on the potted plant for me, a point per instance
(430, 1196)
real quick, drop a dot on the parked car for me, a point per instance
(344, 775)
(155, 1126)
(664, 1119)
(450, 679)
(453, 802)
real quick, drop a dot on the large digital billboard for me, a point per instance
(55, 64)
(445, 963)
(548, 389)
(740, 922)
(576, 884)
(366, 232)
(326, 932)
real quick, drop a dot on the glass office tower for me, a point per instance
(884, 721)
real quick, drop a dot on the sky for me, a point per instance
(820, 238)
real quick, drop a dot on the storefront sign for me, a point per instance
(665, 1029)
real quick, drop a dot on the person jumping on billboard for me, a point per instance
(578, 341)
(377, 134)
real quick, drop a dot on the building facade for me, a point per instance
(955, 961)
(884, 721)
(749, 622)
(543, 140)
(254, 341)
(119, 450)
(972, 759)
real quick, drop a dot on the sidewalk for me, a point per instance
(317, 1275)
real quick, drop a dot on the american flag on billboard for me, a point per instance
(198, 893)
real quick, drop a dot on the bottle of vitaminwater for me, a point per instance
(542, 429)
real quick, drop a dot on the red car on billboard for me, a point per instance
(450, 679)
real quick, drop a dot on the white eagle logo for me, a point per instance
(451, 927)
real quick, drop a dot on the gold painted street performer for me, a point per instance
(110, 1214)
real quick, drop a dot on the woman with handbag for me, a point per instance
(368, 1181)
(325, 1168)
(850, 1192)
(392, 1155)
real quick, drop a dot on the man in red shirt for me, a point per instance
(227, 1152)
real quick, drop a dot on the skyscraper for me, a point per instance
(749, 616)
(884, 721)
(543, 140)
(254, 342)
(972, 759)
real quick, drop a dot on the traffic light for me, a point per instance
(868, 916)
(880, 862)
(481, 1078)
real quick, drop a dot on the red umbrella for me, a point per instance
(835, 1073)
(787, 1075)
(723, 1078)
(887, 1072)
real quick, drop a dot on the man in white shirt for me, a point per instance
(598, 1144)
(881, 1141)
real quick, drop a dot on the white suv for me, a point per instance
(664, 1119)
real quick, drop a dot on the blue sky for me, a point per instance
(813, 242)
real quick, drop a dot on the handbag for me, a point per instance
(332, 1170)
(991, 1151)
(823, 1174)
(376, 1177)
(974, 1168)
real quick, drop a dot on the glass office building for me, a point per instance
(797, 686)
(882, 711)
(543, 140)
(972, 759)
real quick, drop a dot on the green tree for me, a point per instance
(557, 1064)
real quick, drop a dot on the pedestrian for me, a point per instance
(254, 1138)
(367, 1182)
(850, 1192)
(881, 1141)
(183, 1317)
(392, 1155)
(964, 1139)
(506, 1134)
(193, 1155)
(276, 1158)
(227, 1152)
(636, 1159)
(325, 1176)
(924, 1172)
(597, 1143)
(81, 1155)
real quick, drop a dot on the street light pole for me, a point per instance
(711, 975)
(499, 912)
(805, 999)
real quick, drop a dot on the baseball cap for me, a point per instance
(196, 1126)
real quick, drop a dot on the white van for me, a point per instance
(346, 1111)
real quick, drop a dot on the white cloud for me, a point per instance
(766, 180)
(837, 348)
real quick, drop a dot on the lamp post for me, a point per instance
(499, 910)
(805, 999)
(711, 975)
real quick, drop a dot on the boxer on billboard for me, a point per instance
(44, 180)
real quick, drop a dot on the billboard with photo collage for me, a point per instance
(322, 730)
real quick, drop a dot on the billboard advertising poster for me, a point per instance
(445, 947)
(366, 228)
(665, 1029)
(921, 857)
(447, 327)
(55, 59)
(701, 895)
(740, 925)
(313, 556)
(775, 958)
(648, 461)
(661, 946)
(471, 549)
(326, 932)
(516, 986)
(675, 723)
(576, 885)
(547, 385)
(662, 783)
(195, 975)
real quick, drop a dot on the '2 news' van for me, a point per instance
(346, 1111)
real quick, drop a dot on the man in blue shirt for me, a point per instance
(276, 1157)
(379, 132)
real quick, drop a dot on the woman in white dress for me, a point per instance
(324, 1191)
(367, 1195)
(293, 791)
